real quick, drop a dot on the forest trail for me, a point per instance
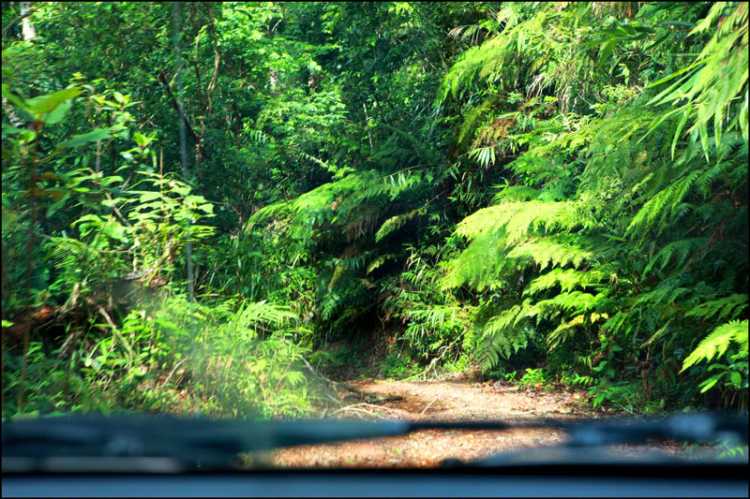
(444, 401)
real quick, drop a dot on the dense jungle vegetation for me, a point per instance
(200, 198)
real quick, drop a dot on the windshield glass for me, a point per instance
(527, 213)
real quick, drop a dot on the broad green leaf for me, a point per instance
(93, 136)
(87, 218)
(675, 74)
(11, 130)
(710, 382)
(182, 190)
(56, 206)
(149, 196)
(703, 131)
(680, 126)
(48, 103)
(59, 113)
(115, 231)
(141, 140)
(607, 49)
(717, 127)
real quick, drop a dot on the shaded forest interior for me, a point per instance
(210, 207)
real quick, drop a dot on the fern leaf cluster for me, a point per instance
(626, 223)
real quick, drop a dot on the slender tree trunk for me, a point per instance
(369, 132)
(4, 303)
(183, 144)
(29, 32)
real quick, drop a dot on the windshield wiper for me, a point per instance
(37, 443)
(588, 441)
(213, 443)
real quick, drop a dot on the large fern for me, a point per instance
(716, 344)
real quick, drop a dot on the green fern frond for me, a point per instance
(564, 332)
(472, 118)
(665, 293)
(679, 249)
(558, 250)
(477, 265)
(665, 206)
(393, 224)
(516, 193)
(566, 279)
(522, 219)
(729, 307)
(379, 261)
(424, 151)
(262, 312)
(353, 203)
(713, 85)
(260, 137)
(717, 343)
(502, 335)
(576, 302)
(527, 37)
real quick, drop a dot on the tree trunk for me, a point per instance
(29, 32)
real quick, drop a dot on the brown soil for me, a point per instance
(445, 401)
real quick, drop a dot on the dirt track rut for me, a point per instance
(442, 401)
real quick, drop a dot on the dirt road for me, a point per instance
(445, 401)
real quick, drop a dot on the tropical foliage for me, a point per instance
(198, 197)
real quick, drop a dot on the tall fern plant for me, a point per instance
(648, 250)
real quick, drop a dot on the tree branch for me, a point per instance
(22, 16)
(178, 108)
(217, 60)
(375, 397)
